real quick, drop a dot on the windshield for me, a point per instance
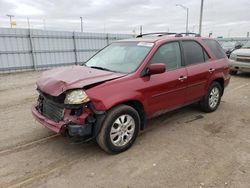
(120, 57)
(247, 45)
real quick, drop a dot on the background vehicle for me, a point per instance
(230, 46)
(240, 59)
(111, 96)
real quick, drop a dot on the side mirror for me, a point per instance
(155, 69)
(238, 46)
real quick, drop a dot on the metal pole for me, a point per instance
(28, 21)
(10, 16)
(187, 22)
(32, 51)
(201, 14)
(140, 29)
(107, 38)
(81, 25)
(75, 50)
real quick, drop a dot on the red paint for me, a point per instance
(157, 93)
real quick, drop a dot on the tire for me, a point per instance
(211, 100)
(233, 72)
(123, 123)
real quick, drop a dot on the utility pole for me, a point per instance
(81, 25)
(140, 29)
(187, 21)
(28, 21)
(185, 8)
(201, 14)
(10, 16)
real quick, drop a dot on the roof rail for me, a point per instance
(181, 34)
(159, 34)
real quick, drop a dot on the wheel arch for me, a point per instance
(138, 106)
(221, 82)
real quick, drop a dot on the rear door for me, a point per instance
(199, 69)
(220, 62)
(167, 90)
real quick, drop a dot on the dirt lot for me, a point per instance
(185, 148)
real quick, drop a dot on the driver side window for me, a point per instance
(168, 54)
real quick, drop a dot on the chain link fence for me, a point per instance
(29, 49)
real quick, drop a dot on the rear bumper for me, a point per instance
(239, 66)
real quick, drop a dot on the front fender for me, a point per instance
(108, 100)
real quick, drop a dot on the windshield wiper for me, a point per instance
(101, 68)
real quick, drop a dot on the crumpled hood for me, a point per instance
(56, 81)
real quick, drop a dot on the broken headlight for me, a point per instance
(77, 96)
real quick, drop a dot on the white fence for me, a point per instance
(23, 49)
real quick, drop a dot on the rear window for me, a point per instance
(193, 52)
(215, 48)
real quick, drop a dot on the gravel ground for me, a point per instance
(184, 148)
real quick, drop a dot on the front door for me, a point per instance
(166, 91)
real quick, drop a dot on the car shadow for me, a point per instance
(168, 120)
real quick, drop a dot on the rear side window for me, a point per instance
(193, 53)
(215, 48)
(169, 54)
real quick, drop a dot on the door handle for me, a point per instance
(211, 70)
(182, 78)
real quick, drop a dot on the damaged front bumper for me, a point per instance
(85, 125)
(56, 127)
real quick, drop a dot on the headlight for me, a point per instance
(233, 56)
(76, 97)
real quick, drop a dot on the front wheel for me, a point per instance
(211, 100)
(119, 130)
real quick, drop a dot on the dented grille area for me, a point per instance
(50, 109)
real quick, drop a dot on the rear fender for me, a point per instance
(216, 76)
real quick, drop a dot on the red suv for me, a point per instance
(110, 97)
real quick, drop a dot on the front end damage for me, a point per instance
(80, 122)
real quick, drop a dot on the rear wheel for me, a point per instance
(119, 130)
(211, 100)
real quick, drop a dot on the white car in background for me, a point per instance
(240, 59)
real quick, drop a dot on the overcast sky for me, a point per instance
(221, 17)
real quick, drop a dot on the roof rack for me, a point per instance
(181, 34)
(159, 34)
